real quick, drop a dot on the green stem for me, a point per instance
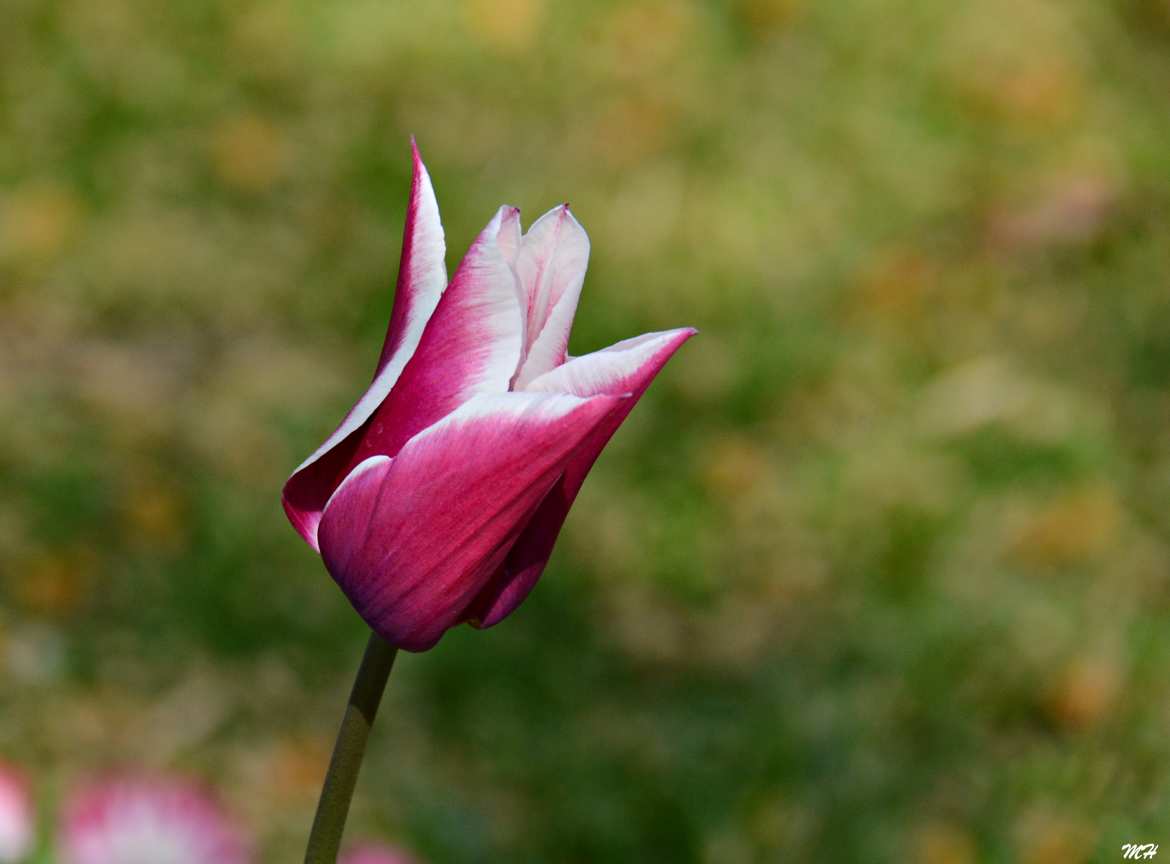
(329, 823)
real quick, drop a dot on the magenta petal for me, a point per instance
(412, 540)
(422, 276)
(471, 345)
(627, 367)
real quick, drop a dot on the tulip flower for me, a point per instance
(439, 497)
(16, 817)
(147, 821)
(376, 855)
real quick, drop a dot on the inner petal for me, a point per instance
(550, 264)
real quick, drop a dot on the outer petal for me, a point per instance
(627, 367)
(422, 277)
(471, 345)
(551, 265)
(412, 540)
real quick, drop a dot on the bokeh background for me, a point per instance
(879, 570)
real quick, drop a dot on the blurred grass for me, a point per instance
(877, 571)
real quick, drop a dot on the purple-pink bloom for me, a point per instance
(439, 497)
(17, 823)
(136, 820)
(372, 854)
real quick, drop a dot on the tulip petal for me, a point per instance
(412, 540)
(627, 367)
(422, 277)
(470, 345)
(551, 264)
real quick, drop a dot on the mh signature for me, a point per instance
(1139, 850)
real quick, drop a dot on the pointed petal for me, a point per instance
(551, 264)
(627, 367)
(470, 345)
(509, 239)
(422, 277)
(412, 540)
(620, 368)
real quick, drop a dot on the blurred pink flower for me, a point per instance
(375, 855)
(439, 497)
(148, 821)
(16, 817)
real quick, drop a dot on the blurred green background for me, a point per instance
(879, 570)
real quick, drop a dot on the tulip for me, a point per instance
(376, 855)
(16, 817)
(438, 499)
(148, 821)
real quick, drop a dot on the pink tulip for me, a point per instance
(439, 497)
(148, 821)
(375, 855)
(16, 817)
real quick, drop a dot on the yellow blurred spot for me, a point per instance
(765, 17)
(154, 516)
(1019, 64)
(632, 128)
(1045, 91)
(1028, 92)
(248, 153)
(644, 39)
(643, 221)
(897, 284)
(1085, 693)
(37, 221)
(53, 584)
(996, 389)
(1050, 839)
(1156, 12)
(1075, 527)
(776, 823)
(298, 766)
(942, 843)
(264, 37)
(508, 25)
(734, 465)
